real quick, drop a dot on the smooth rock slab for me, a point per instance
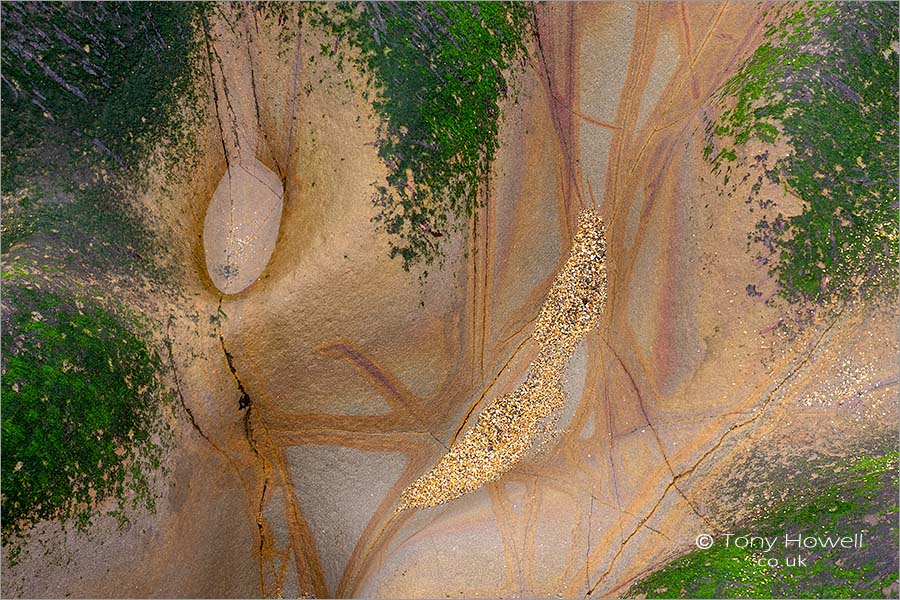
(241, 225)
(340, 489)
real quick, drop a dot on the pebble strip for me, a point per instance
(507, 429)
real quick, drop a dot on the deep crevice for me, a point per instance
(215, 93)
(183, 403)
(245, 402)
(180, 394)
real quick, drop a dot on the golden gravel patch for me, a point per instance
(507, 429)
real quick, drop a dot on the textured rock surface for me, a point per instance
(358, 375)
(338, 350)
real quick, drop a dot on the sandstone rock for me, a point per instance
(241, 225)
(359, 375)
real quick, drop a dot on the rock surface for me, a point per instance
(337, 379)
(241, 225)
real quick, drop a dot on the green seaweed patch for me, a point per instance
(88, 84)
(859, 499)
(437, 73)
(82, 406)
(824, 83)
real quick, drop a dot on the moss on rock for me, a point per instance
(437, 74)
(859, 498)
(824, 83)
(104, 80)
(81, 409)
(90, 93)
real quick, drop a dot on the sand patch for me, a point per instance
(241, 225)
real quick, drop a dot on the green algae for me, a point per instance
(845, 506)
(81, 409)
(106, 80)
(437, 73)
(90, 93)
(91, 230)
(824, 83)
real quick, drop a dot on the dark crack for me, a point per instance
(180, 394)
(246, 403)
(253, 87)
(210, 53)
(187, 409)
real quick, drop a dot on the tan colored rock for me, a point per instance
(241, 225)
(360, 376)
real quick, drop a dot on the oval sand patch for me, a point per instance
(241, 225)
